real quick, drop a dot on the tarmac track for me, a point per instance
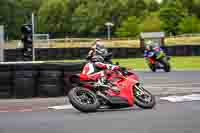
(176, 82)
(166, 117)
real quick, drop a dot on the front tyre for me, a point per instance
(152, 67)
(144, 98)
(83, 99)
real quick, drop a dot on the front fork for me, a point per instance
(138, 90)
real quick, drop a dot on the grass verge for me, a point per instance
(186, 63)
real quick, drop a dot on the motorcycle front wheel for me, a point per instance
(83, 99)
(152, 67)
(144, 98)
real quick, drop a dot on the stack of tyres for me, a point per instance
(67, 80)
(24, 80)
(50, 81)
(70, 71)
(5, 81)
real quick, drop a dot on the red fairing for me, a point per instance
(126, 87)
(132, 75)
(124, 83)
(126, 90)
(83, 74)
(152, 61)
(83, 77)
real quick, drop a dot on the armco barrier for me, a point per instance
(80, 53)
(5, 81)
(24, 80)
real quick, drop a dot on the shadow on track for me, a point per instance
(134, 109)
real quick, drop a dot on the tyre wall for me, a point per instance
(80, 53)
(27, 80)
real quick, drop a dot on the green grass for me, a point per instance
(192, 63)
(187, 63)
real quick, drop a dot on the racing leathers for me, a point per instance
(97, 50)
(93, 70)
(147, 52)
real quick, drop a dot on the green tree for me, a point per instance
(129, 28)
(190, 24)
(54, 16)
(14, 13)
(152, 5)
(196, 8)
(171, 15)
(136, 8)
(90, 16)
(86, 18)
(151, 23)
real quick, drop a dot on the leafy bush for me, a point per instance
(190, 24)
(129, 28)
(151, 23)
(171, 15)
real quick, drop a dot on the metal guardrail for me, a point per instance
(2, 43)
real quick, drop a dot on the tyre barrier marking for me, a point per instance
(185, 98)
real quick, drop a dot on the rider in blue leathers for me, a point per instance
(151, 48)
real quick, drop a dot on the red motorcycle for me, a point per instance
(116, 89)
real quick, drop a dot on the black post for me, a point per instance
(27, 40)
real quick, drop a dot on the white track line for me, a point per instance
(193, 97)
(61, 107)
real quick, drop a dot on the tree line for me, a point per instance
(88, 17)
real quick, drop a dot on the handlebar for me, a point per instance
(119, 72)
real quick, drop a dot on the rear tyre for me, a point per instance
(83, 99)
(144, 98)
(167, 68)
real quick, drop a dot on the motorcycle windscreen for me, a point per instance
(126, 90)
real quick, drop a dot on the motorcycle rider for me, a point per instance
(92, 71)
(152, 47)
(98, 48)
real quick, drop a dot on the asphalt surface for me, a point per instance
(159, 84)
(165, 118)
(32, 115)
(176, 82)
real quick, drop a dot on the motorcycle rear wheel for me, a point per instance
(140, 98)
(166, 64)
(83, 99)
